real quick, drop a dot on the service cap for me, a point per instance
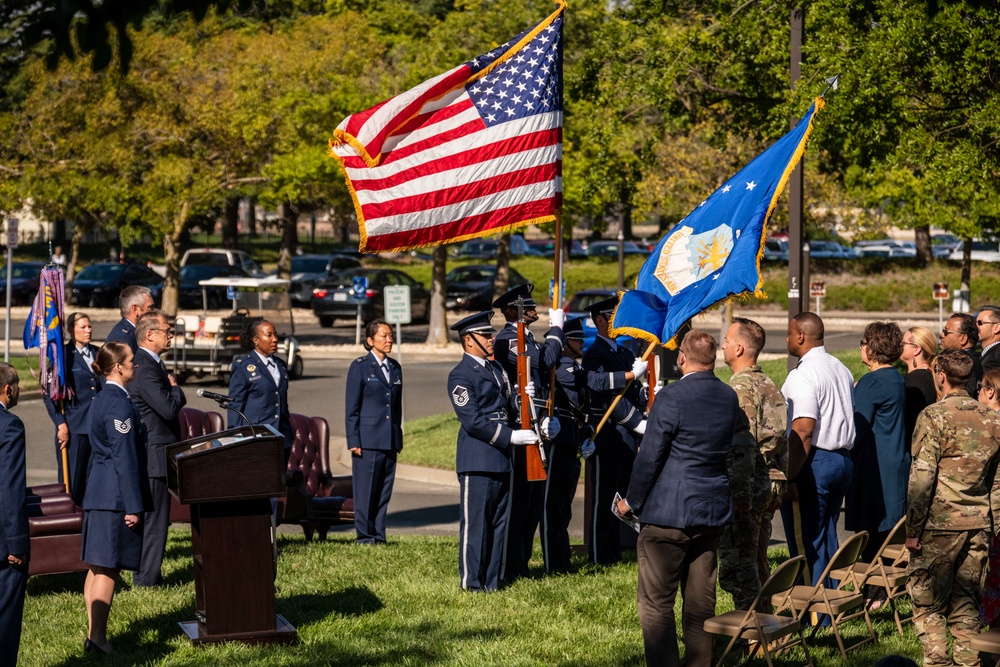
(478, 323)
(605, 307)
(574, 328)
(522, 291)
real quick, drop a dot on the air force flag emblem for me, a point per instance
(123, 427)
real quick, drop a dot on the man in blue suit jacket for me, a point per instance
(134, 302)
(13, 518)
(680, 492)
(159, 400)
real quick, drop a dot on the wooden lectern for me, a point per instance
(228, 478)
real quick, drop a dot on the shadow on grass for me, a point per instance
(53, 584)
(423, 516)
(312, 608)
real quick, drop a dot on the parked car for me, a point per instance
(308, 271)
(578, 307)
(830, 250)
(547, 248)
(222, 257)
(335, 298)
(610, 249)
(942, 245)
(190, 291)
(100, 284)
(471, 287)
(487, 248)
(776, 250)
(982, 251)
(23, 283)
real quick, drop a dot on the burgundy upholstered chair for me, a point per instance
(316, 499)
(194, 423)
(55, 527)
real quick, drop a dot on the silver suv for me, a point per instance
(221, 257)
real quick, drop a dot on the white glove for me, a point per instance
(657, 387)
(529, 389)
(550, 427)
(641, 428)
(524, 437)
(587, 448)
(557, 317)
(639, 368)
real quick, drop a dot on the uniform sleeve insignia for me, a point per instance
(123, 427)
(460, 395)
(251, 368)
(600, 369)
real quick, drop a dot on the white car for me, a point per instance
(982, 251)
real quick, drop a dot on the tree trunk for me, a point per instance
(289, 216)
(252, 218)
(437, 332)
(924, 254)
(967, 268)
(502, 278)
(627, 220)
(231, 224)
(172, 259)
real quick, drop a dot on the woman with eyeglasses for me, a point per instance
(72, 416)
(117, 491)
(989, 610)
(877, 499)
(919, 351)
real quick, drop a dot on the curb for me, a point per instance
(409, 473)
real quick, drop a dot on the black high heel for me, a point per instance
(91, 647)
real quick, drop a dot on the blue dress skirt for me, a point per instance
(108, 542)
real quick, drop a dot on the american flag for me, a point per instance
(472, 152)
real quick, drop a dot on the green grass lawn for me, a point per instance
(430, 441)
(399, 605)
(24, 367)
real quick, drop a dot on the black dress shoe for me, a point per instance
(91, 647)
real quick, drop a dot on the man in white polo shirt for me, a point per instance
(819, 393)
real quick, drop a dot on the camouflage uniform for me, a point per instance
(950, 498)
(757, 477)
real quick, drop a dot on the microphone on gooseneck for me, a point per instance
(221, 399)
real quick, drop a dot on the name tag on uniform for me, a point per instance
(373, 379)
(254, 377)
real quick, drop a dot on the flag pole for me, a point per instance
(618, 398)
(557, 298)
(64, 451)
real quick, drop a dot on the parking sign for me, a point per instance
(360, 286)
(397, 304)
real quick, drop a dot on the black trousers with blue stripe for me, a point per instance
(482, 527)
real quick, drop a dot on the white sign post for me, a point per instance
(817, 290)
(11, 245)
(397, 311)
(941, 294)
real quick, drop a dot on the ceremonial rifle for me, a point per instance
(618, 398)
(533, 454)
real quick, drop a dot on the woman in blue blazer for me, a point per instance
(258, 383)
(374, 420)
(117, 491)
(72, 418)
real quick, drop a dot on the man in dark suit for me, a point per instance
(961, 333)
(482, 396)
(680, 492)
(134, 302)
(988, 324)
(526, 498)
(159, 400)
(610, 468)
(13, 518)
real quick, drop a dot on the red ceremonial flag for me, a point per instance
(472, 152)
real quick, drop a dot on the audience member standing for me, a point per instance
(919, 351)
(819, 394)
(989, 612)
(258, 383)
(680, 493)
(117, 491)
(988, 327)
(72, 418)
(881, 453)
(960, 333)
(758, 483)
(949, 514)
(374, 424)
(133, 303)
(159, 401)
(14, 544)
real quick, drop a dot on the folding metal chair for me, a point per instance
(753, 625)
(837, 603)
(883, 572)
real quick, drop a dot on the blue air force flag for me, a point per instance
(714, 253)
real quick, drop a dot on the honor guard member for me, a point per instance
(572, 400)
(134, 302)
(526, 499)
(14, 544)
(610, 468)
(483, 399)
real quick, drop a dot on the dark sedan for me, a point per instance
(579, 306)
(23, 283)
(471, 287)
(190, 292)
(99, 285)
(335, 297)
(610, 249)
(308, 271)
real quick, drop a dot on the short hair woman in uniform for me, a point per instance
(117, 491)
(72, 418)
(373, 416)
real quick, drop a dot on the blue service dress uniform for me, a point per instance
(373, 414)
(118, 483)
(255, 394)
(123, 332)
(13, 533)
(481, 395)
(527, 499)
(610, 468)
(574, 385)
(76, 415)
